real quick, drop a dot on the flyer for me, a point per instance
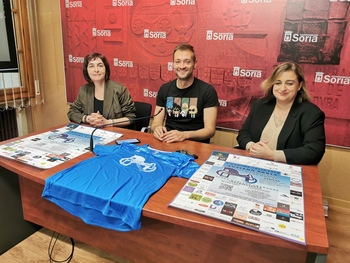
(48, 149)
(262, 195)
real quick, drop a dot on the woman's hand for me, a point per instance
(96, 119)
(261, 150)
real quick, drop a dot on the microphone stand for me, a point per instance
(113, 123)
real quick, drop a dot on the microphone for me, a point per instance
(113, 123)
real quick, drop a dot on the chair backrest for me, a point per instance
(143, 109)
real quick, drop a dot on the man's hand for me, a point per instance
(173, 136)
(158, 132)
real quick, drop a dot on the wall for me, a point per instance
(237, 43)
(52, 81)
(333, 168)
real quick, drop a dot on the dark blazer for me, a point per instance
(302, 137)
(117, 102)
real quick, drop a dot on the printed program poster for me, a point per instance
(258, 194)
(46, 150)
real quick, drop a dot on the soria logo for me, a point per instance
(290, 37)
(72, 59)
(211, 35)
(73, 4)
(151, 34)
(122, 3)
(182, 2)
(150, 94)
(170, 66)
(122, 63)
(252, 73)
(321, 77)
(101, 33)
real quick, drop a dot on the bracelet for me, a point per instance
(84, 118)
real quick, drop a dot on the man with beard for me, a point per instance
(197, 125)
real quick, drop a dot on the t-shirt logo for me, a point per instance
(140, 163)
(181, 107)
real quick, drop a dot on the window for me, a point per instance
(8, 58)
(16, 69)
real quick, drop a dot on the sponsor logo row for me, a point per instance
(289, 36)
(320, 77)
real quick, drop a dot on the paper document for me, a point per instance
(48, 149)
(258, 194)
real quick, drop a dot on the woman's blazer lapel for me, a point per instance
(108, 101)
(289, 126)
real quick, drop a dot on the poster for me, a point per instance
(48, 149)
(261, 195)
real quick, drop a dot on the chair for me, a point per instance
(143, 109)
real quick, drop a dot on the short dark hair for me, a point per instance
(93, 56)
(184, 47)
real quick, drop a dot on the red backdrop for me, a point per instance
(237, 42)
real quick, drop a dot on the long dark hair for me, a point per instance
(93, 56)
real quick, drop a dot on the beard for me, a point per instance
(186, 76)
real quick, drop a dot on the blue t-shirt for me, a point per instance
(110, 189)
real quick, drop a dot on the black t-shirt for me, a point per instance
(98, 105)
(185, 107)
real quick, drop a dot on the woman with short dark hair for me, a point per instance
(101, 101)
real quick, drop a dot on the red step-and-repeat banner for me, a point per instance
(237, 42)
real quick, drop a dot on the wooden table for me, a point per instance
(173, 235)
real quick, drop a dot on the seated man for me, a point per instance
(189, 105)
